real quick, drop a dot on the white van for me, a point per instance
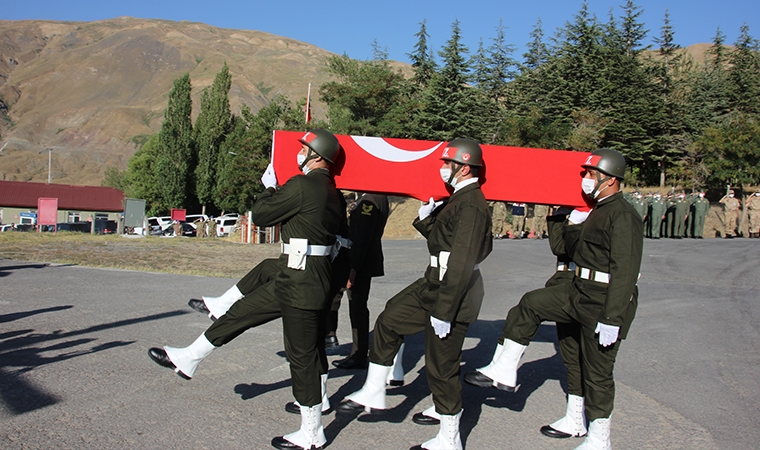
(225, 225)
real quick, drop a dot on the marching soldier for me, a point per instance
(444, 302)
(312, 213)
(601, 298)
(730, 214)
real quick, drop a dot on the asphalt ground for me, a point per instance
(75, 374)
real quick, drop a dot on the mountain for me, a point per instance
(91, 91)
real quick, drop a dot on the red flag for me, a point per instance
(411, 168)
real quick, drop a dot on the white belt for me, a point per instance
(311, 250)
(566, 267)
(593, 275)
(444, 260)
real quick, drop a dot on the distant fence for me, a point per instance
(257, 235)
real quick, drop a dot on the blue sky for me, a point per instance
(351, 26)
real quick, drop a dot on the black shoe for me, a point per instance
(547, 430)
(422, 419)
(159, 356)
(395, 383)
(331, 341)
(476, 378)
(284, 444)
(200, 306)
(350, 407)
(350, 363)
(292, 408)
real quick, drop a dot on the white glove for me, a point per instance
(608, 334)
(269, 179)
(577, 217)
(441, 328)
(427, 208)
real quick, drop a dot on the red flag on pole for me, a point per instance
(308, 105)
(411, 168)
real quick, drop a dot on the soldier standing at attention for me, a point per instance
(679, 216)
(601, 299)
(657, 213)
(211, 227)
(200, 227)
(312, 213)
(753, 206)
(444, 302)
(498, 218)
(730, 214)
(701, 208)
(518, 220)
(641, 206)
(539, 219)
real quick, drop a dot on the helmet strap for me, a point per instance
(599, 182)
(309, 156)
(455, 168)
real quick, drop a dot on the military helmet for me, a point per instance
(607, 161)
(463, 151)
(323, 143)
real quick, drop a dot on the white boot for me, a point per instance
(187, 359)
(448, 435)
(503, 367)
(598, 437)
(325, 400)
(574, 422)
(372, 394)
(396, 376)
(311, 435)
(219, 305)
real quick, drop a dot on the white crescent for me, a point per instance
(381, 149)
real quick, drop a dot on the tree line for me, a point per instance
(592, 84)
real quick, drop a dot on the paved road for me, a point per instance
(74, 370)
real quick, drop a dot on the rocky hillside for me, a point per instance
(91, 91)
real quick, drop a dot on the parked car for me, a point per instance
(186, 229)
(8, 227)
(226, 224)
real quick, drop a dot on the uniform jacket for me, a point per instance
(308, 207)
(563, 238)
(611, 241)
(367, 221)
(463, 227)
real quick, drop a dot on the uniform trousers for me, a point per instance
(597, 362)
(404, 316)
(358, 296)
(569, 337)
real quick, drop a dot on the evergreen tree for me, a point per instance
(175, 146)
(708, 99)
(210, 131)
(538, 52)
(423, 62)
(744, 74)
(142, 178)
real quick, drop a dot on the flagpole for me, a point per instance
(308, 104)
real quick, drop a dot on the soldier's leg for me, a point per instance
(357, 301)
(257, 308)
(263, 273)
(302, 337)
(442, 364)
(598, 364)
(569, 335)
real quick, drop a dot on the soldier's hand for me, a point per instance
(577, 217)
(608, 334)
(268, 178)
(427, 208)
(441, 327)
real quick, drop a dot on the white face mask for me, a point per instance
(701, 195)
(300, 160)
(731, 195)
(445, 175)
(588, 185)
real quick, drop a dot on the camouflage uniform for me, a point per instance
(730, 214)
(539, 219)
(498, 217)
(753, 205)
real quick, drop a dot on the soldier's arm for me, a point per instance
(626, 249)
(273, 207)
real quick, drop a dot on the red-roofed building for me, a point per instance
(75, 203)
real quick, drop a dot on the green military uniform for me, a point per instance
(700, 210)
(641, 207)
(463, 228)
(656, 211)
(610, 242)
(308, 207)
(679, 217)
(539, 219)
(498, 218)
(668, 220)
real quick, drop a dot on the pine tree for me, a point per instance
(175, 146)
(423, 62)
(744, 74)
(538, 52)
(210, 131)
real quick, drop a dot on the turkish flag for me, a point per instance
(410, 168)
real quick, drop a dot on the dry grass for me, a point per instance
(188, 256)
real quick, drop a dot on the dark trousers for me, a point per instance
(569, 337)
(303, 334)
(597, 362)
(264, 272)
(403, 316)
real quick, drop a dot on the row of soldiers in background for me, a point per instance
(205, 228)
(680, 215)
(501, 215)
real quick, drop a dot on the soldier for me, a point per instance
(641, 206)
(367, 222)
(211, 225)
(444, 302)
(679, 216)
(498, 218)
(601, 298)
(656, 215)
(730, 214)
(539, 219)
(200, 227)
(700, 210)
(753, 206)
(312, 213)
(518, 220)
